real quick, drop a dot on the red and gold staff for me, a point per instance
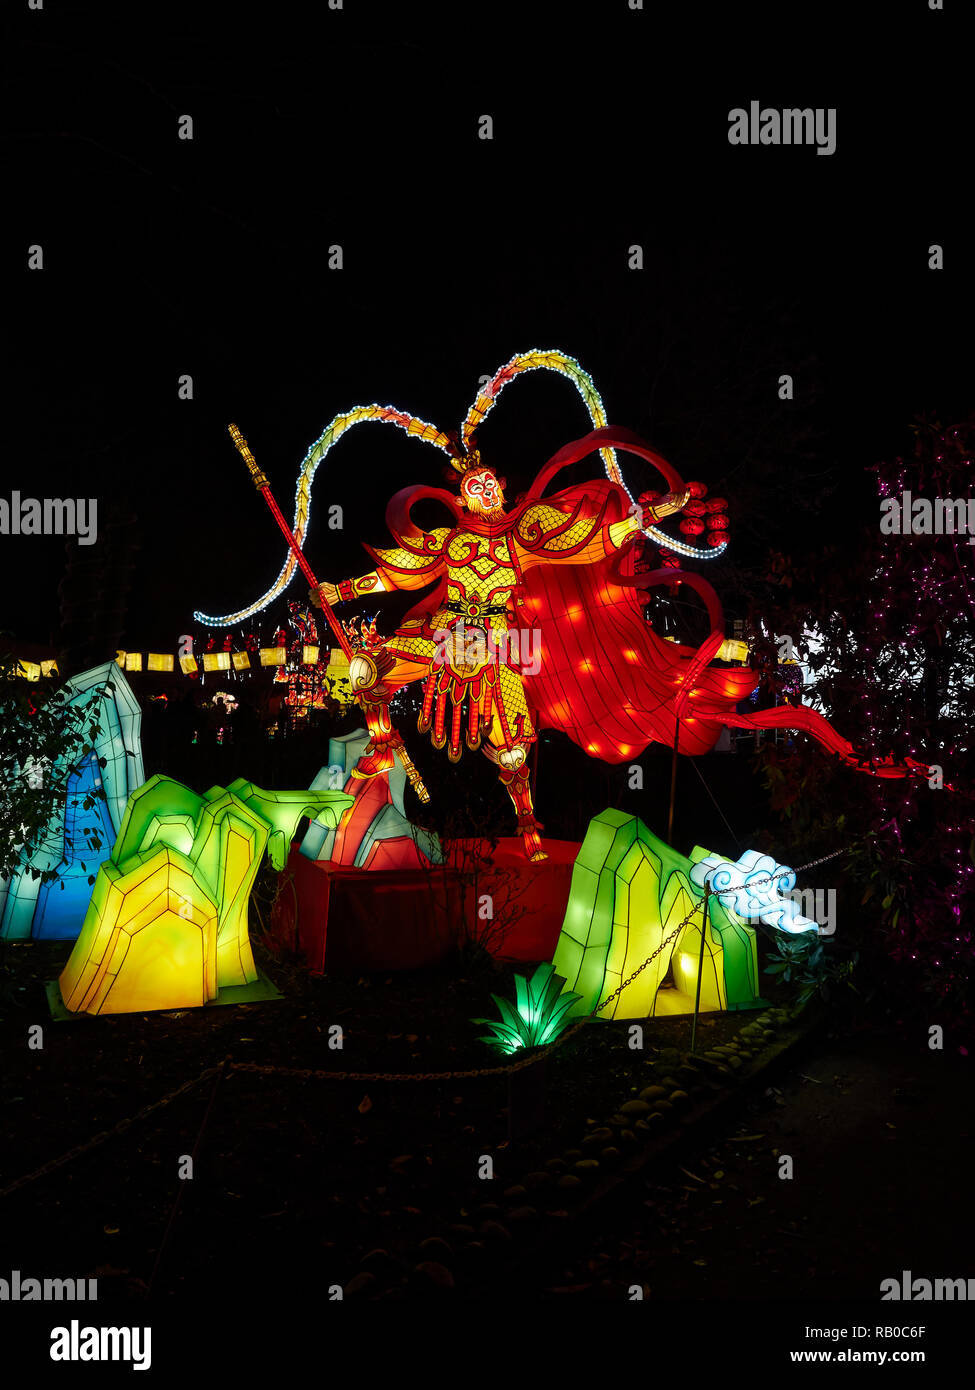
(361, 667)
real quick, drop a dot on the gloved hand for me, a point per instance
(667, 506)
(326, 591)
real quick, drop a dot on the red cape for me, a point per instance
(606, 678)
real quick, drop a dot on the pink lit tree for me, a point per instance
(893, 659)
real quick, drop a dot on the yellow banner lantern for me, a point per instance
(120, 659)
(188, 665)
(216, 661)
(733, 650)
(242, 661)
(309, 655)
(30, 670)
(160, 661)
(49, 668)
(133, 661)
(273, 656)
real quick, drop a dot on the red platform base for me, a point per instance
(340, 919)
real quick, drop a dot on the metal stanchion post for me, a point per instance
(700, 965)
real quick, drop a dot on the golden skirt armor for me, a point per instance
(470, 649)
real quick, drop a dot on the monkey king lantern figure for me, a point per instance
(469, 641)
(533, 616)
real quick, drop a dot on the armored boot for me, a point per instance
(365, 677)
(517, 782)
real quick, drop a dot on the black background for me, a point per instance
(359, 127)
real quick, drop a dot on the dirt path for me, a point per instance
(879, 1131)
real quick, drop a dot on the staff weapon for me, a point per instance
(263, 487)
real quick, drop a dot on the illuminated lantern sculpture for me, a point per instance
(755, 887)
(166, 927)
(534, 615)
(80, 835)
(629, 891)
(375, 833)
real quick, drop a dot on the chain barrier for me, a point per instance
(305, 1073)
(620, 988)
(870, 834)
(105, 1134)
(308, 1073)
(766, 878)
(784, 872)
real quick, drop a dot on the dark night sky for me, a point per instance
(358, 127)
